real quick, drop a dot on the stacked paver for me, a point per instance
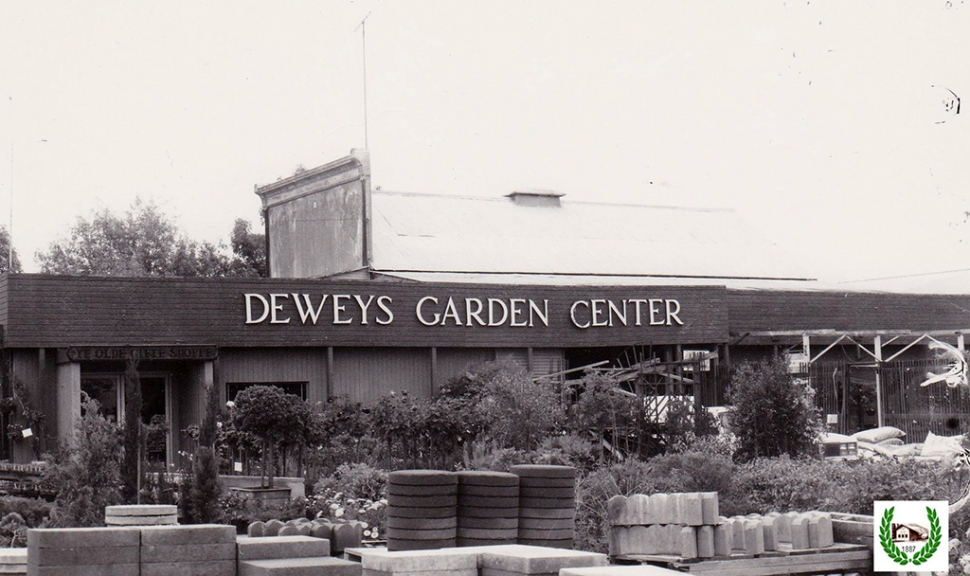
(536, 561)
(688, 526)
(290, 556)
(488, 508)
(141, 515)
(203, 550)
(500, 560)
(441, 562)
(547, 505)
(676, 524)
(341, 535)
(83, 552)
(13, 560)
(422, 509)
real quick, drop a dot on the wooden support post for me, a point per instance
(329, 371)
(434, 370)
(960, 345)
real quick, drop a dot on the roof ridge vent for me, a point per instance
(535, 197)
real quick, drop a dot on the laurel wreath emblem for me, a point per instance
(900, 557)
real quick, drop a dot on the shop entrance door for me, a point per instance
(108, 390)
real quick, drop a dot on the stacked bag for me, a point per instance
(547, 505)
(422, 509)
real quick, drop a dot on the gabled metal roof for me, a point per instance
(423, 233)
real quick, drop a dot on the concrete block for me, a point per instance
(723, 540)
(187, 552)
(709, 507)
(544, 512)
(411, 545)
(631, 540)
(487, 478)
(546, 534)
(641, 570)
(510, 523)
(347, 535)
(784, 526)
(661, 507)
(82, 537)
(273, 527)
(141, 520)
(539, 560)
(705, 541)
(300, 567)
(189, 534)
(542, 471)
(616, 511)
(281, 547)
(688, 542)
(202, 568)
(141, 510)
(754, 538)
(638, 510)
(488, 533)
(499, 572)
(441, 560)
(256, 529)
(799, 533)
(770, 532)
(820, 531)
(82, 556)
(321, 530)
(737, 531)
(468, 572)
(547, 524)
(90, 570)
(422, 478)
(691, 510)
(289, 530)
(13, 556)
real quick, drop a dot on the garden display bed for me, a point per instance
(840, 557)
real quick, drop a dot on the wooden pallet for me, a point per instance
(838, 558)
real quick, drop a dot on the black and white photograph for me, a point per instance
(509, 288)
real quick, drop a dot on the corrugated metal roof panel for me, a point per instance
(417, 232)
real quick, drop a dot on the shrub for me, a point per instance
(86, 476)
(692, 471)
(594, 491)
(355, 481)
(200, 486)
(34, 512)
(773, 414)
(519, 412)
(568, 450)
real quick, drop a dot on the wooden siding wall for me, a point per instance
(453, 362)
(38, 370)
(277, 365)
(366, 374)
(53, 311)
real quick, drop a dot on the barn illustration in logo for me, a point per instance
(910, 533)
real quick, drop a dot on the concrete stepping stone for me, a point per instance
(300, 567)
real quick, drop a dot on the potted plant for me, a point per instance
(273, 417)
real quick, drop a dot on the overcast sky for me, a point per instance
(828, 125)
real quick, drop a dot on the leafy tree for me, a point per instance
(519, 412)
(773, 414)
(5, 253)
(273, 416)
(249, 251)
(147, 242)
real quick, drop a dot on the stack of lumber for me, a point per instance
(422, 509)
(488, 508)
(547, 505)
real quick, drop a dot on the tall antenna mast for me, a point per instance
(363, 40)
